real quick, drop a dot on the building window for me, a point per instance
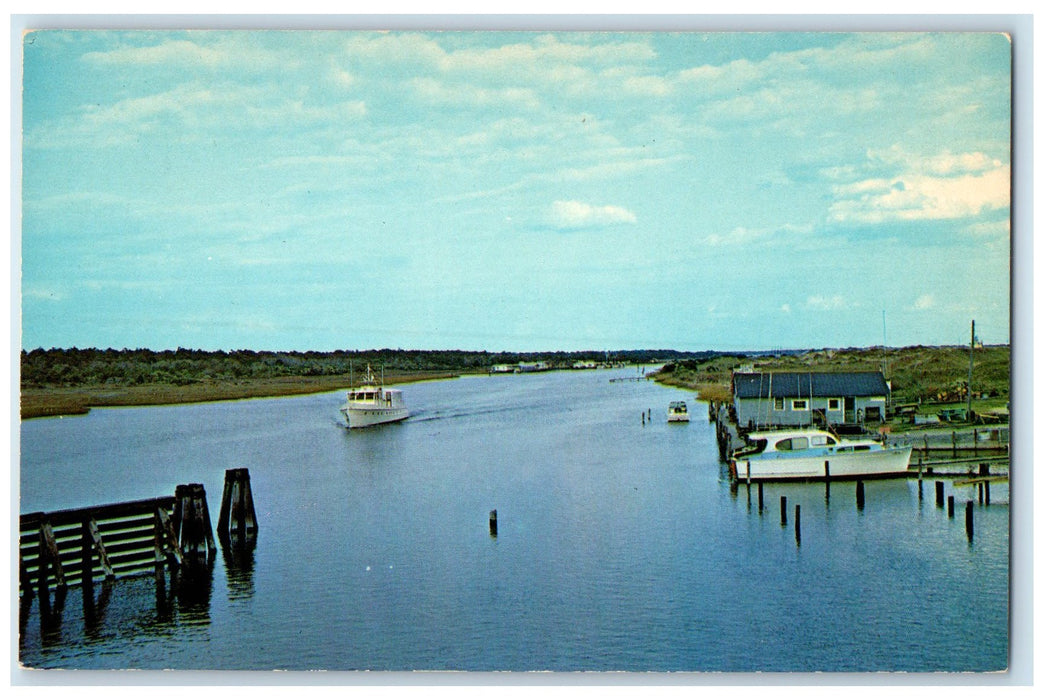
(834, 404)
(779, 404)
(799, 404)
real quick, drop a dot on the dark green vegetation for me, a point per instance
(77, 368)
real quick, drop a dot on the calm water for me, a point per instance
(620, 545)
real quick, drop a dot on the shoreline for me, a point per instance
(70, 401)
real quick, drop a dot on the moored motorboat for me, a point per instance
(677, 412)
(372, 404)
(815, 454)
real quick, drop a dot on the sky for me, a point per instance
(521, 191)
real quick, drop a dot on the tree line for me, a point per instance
(59, 367)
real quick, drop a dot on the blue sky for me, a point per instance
(514, 191)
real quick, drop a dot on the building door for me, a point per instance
(850, 409)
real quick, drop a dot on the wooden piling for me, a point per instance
(949, 506)
(191, 522)
(986, 486)
(826, 471)
(860, 495)
(783, 511)
(237, 520)
(797, 524)
(939, 494)
(969, 524)
(761, 497)
(493, 523)
(979, 490)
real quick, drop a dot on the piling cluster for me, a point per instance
(942, 499)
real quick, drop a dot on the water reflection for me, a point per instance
(238, 555)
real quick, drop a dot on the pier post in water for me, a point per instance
(493, 523)
(191, 520)
(986, 487)
(949, 506)
(797, 524)
(969, 524)
(826, 471)
(783, 511)
(860, 495)
(920, 480)
(761, 497)
(237, 520)
(939, 494)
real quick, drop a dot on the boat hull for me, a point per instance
(887, 462)
(678, 419)
(370, 416)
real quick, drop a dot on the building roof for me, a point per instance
(805, 384)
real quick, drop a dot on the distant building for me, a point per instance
(533, 366)
(503, 369)
(765, 399)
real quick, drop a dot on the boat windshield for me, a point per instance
(754, 448)
(793, 443)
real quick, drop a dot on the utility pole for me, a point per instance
(971, 352)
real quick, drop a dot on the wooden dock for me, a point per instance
(77, 547)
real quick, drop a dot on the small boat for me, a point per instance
(812, 454)
(372, 404)
(678, 412)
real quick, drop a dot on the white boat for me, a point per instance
(678, 412)
(815, 454)
(372, 404)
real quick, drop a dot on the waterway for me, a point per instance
(620, 545)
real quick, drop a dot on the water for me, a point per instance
(620, 545)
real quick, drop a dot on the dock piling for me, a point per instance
(493, 523)
(191, 521)
(797, 524)
(237, 520)
(969, 524)
(761, 497)
(783, 511)
(860, 495)
(939, 494)
(949, 506)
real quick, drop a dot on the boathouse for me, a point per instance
(763, 399)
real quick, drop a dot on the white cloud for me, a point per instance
(821, 303)
(743, 236)
(925, 301)
(939, 186)
(571, 214)
(438, 92)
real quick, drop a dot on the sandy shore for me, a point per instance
(39, 403)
